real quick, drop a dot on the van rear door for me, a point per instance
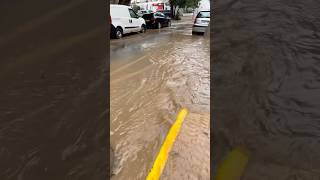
(120, 17)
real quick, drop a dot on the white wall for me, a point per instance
(204, 4)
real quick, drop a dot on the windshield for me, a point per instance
(204, 14)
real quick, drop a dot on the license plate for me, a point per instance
(203, 21)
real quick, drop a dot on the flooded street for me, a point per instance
(152, 76)
(53, 112)
(266, 85)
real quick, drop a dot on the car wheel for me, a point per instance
(119, 33)
(143, 29)
(158, 25)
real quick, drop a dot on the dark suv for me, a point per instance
(156, 20)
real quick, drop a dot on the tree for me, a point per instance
(192, 3)
(176, 4)
(135, 8)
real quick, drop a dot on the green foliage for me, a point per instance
(185, 3)
(180, 3)
(136, 8)
(192, 3)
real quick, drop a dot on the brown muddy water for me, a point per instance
(266, 86)
(190, 156)
(53, 98)
(153, 75)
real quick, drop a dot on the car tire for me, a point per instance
(118, 33)
(143, 29)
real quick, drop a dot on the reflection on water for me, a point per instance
(266, 85)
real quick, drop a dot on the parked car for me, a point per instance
(201, 22)
(165, 12)
(124, 20)
(156, 20)
(142, 12)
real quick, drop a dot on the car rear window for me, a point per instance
(159, 14)
(147, 16)
(203, 14)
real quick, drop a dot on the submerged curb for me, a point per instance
(166, 147)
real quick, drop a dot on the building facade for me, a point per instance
(152, 4)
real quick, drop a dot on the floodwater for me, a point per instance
(266, 86)
(153, 75)
(53, 114)
(190, 156)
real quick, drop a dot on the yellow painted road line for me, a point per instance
(166, 147)
(233, 165)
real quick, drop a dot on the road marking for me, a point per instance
(166, 147)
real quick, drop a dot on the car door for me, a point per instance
(135, 24)
(165, 19)
(160, 18)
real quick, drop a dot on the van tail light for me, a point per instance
(110, 20)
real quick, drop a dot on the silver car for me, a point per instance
(201, 22)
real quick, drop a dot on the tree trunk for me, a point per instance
(171, 9)
(174, 11)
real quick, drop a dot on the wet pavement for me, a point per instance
(153, 75)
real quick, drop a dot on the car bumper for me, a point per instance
(199, 28)
(150, 24)
(112, 30)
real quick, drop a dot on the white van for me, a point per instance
(124, 20)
